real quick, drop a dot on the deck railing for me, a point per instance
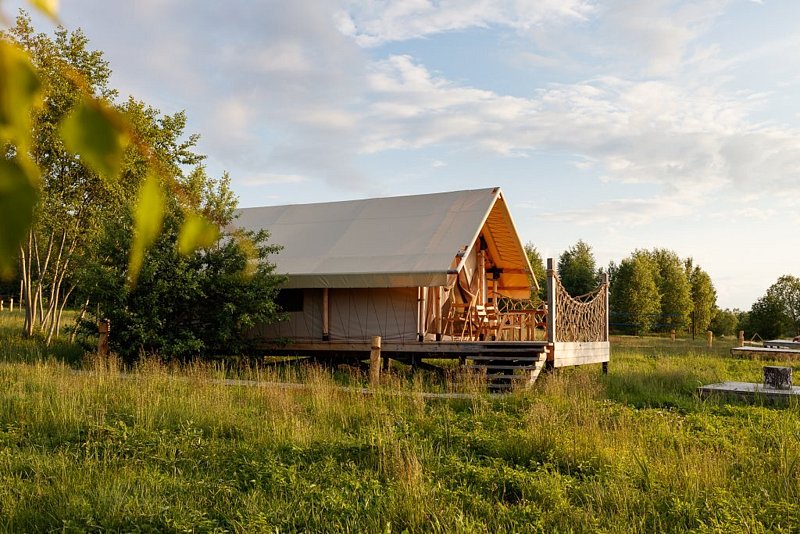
(582, 318)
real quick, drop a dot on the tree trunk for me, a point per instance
(84, 308)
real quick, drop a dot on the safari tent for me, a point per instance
(435, 274)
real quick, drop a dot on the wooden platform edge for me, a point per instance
(766, 353)
(580, 353)
(748, 391)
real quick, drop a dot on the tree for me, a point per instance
(75, 199)
(777, 313)
(577, 269)
(634, 295)
(71, 197)
(704, 296)
(673, 288)
(725, 322)
(184, 306)
(537, 264)
(93, 130)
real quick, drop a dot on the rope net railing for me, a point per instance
(581, 318)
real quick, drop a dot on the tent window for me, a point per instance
(290, 300)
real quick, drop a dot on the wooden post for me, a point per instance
(1, 304)
(741, 338)
(326, 325)
(710, 338)
(482, 274)
(419, 314)
(551, 301)
(425, 293)
(104, 331)
(672, 334)
(607, 311)
(11, 305)
(438, 311)
(375, 362)
(494, 292)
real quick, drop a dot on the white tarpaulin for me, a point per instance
(409, 241)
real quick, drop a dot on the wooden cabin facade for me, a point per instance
(439, 275)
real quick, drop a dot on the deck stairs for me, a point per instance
(507, 367)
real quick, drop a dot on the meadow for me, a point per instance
(85, 447)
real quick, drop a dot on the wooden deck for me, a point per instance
(767, 353)
(748, 391)
(423, 349)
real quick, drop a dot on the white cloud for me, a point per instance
(679, 136)
(257, 180)
(380, 21)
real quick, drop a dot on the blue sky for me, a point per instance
(626, 123)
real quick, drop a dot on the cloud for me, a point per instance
(377, 22)
(257, 180)
(671, 134)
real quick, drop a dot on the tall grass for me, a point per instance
(170, 448)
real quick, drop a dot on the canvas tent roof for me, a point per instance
(408, 241)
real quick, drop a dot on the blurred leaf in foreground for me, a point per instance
(19, 94)
(48, 7)
(196, 232)
(98, 134)
(148, 217)
(18, 196)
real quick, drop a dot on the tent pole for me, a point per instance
(438, 312)
(419, 314)
(326, 332)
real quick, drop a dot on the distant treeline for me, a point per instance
(658, 291)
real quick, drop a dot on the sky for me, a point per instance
(626, 123)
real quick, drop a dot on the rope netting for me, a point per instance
(581, 318)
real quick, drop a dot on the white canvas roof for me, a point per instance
(410, 241)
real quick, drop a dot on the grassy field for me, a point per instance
(167, 449)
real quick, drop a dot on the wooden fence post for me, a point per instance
(710, 338)
(672, 334)
(741, 338)
(11, 305)
(104, 331)
(375, 362)
(1, 304)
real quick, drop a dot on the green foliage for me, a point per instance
(97, 133)
(539, 271)
(148, 216)
(168, 449)
(183, 306)
(578, 270)
(634, 293)
(79, 134)
(725, 322)
(704, 296)
(673, 288)
(17, 200)
(777, 313)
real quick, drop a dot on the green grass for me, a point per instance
(170, 450)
